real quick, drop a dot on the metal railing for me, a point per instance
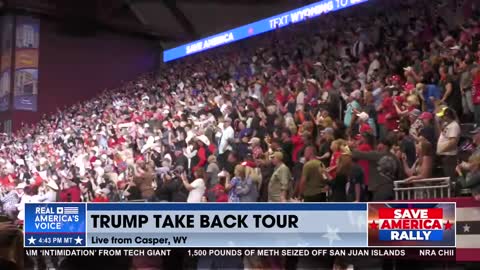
(423, 189)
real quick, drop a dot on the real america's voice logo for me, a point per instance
(411, 224)
(55, 225)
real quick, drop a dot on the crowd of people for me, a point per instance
(308, 113)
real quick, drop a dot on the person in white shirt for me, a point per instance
(26, 198)
(224, 147)
(373, 67)
(99, 170)
(447, 145)
(51, 192)
(197, 187)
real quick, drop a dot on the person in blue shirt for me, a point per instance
(353, 107)
(430, 93)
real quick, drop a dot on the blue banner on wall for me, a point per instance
(27, 33)
(6, 63)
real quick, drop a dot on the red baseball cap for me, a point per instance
(249, 163)
(364, 128)
(426, 116)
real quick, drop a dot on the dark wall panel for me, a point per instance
(75, 68)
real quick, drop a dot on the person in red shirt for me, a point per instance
(202, 155)
(112, 142)
(38, 180)
(70, 193)
(387, 115)
(217, 193)
(365, 144)
(282, 96)
(101, 195)
(7, 179)
(298, 144)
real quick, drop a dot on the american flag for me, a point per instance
(67, 210)
(468, 228)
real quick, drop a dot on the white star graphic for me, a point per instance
(31, 240)
(331, 235)
(466, 228)
(78, 240)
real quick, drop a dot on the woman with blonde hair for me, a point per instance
(249, 187)
(232, 186)
(412, 102)
(336, 148)
(348, 184)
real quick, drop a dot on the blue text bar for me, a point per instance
(259, 27)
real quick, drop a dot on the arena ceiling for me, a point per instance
(169, 21)
(186, 20)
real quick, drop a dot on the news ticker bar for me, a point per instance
(427, 253)
(280, 225)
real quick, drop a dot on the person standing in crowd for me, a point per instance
(427, 133)
(422, 168)
(469, 175)
(476, 96)
(217, 192)
(415, 123)
(144, 178)
(313, 183)
(338, 184)
(200, 160)
(382, 111)
(50, 192)
(324, 145)
(430, 95)
(279, 185)
(29, 196)
(389, 113)
(384, 168)
(7, 179)
(212, 171)
(353, 108)
(466, 84)
(234, 184)
(248, 188)
(356, 189)
(452, 95)
(447, 144)
(101, 195)
(365, 143)
(197, 187)
(336, 148)
(406, 143)
(224, 148)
